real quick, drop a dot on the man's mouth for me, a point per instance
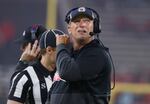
(82, 31)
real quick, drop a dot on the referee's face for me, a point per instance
(80, 27)
(52, 54)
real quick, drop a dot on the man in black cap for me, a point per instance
(83, 75)
(29, 45)
(31, 85)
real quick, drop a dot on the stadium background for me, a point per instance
(125, 30)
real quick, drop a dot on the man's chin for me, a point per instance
(81, 41)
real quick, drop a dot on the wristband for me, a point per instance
(23, 61)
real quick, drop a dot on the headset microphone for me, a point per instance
(91, 33)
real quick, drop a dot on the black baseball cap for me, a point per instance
(80, 11)
(31, 34)
(48, 38)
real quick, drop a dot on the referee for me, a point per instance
(31, 85)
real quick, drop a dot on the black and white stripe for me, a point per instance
(30, 86)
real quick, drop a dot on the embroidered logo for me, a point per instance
(43, 86)
(81, 9)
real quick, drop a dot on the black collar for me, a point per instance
(43, 70)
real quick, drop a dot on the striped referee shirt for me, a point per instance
(31, 85)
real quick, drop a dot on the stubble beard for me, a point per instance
(80, 41)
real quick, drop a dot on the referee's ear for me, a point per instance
(69, 28)
(49, 49)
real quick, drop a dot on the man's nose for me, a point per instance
(81, 23)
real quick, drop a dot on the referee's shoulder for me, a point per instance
(24, 72)
(27, 69)
(30, 67)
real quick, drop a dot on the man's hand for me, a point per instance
(13, 102)
(62, 39)
(31, 52)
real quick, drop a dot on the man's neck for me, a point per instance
(47, 65)
(81, 43)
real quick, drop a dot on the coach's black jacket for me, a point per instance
(85, 76)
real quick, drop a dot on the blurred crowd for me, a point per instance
(139, 76)
(130, 98)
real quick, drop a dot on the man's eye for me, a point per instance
(86, 20)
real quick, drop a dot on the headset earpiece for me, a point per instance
(96, 21)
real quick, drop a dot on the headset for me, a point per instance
(95, 15)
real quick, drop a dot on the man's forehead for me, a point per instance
(81, 16)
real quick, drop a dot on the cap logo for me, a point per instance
(81, 9)
(24, 33)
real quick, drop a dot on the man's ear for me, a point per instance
(69, 29)
(48, 49)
